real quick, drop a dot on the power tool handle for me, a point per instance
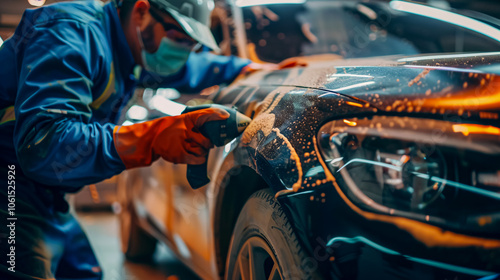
(197, 175)
(219, 132)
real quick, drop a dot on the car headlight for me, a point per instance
(435, 171)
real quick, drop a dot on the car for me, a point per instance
(11, 12)
(378, 157)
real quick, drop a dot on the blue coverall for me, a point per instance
(66, 74)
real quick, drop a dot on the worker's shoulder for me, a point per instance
(88, 12)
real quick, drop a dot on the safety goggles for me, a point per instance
(175, 32)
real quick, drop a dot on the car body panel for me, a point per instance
(384, 82)
(280, 150)
(280, 145)
(281, 140)
(289, 100)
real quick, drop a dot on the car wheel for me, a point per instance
(264, 245)
(136, 244)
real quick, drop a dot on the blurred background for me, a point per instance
(12, 10)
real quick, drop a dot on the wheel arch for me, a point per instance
(229, 203)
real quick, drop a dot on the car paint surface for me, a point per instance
(290, 105)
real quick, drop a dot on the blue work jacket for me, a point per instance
(66, 74)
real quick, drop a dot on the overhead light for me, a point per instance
(169, 93)
(137, 113)
(127, 123)
(446, 16)
(249, 3)
(36, 3)
(348, 87)
(166, 106)
(371, 14)
(449, 56)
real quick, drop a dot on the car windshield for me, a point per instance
(351, 29)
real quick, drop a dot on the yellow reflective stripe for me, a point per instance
(7, 115)
(110, 89)
(41, 139)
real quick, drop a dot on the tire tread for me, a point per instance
(286, 227)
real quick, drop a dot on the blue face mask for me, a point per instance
(168, 59)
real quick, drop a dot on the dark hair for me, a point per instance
(126, 7)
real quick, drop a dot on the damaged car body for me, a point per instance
(399, 162)
(351, 167)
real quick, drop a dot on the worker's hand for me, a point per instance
(293, 62)
(287, 63)
(176, 139)
(254, 66)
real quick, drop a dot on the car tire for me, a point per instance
(137, 245)
(264, 245)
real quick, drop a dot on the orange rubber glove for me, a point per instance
(287, 63)
(175, 139)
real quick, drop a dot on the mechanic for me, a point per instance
(67, 73)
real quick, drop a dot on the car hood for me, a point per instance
(459, 84)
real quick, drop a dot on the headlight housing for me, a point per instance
(436, 171)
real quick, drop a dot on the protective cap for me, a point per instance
(193, 16)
